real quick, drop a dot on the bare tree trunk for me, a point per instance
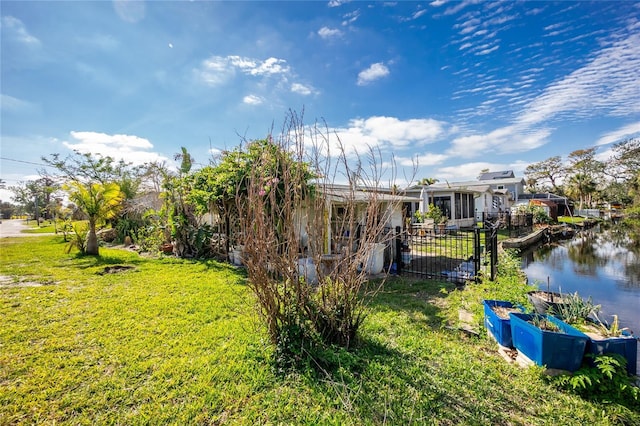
(92, 239)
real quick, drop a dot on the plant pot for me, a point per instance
(563, 349)
(541, 301)
(375, 258)
(499, 327)
(236, 257)
(627, 346)
(307, 270)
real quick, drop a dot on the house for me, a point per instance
(461, 204)
(504, 184)
(464, 203)
(563, 206)
(338, 199)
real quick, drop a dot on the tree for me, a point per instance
(427, 181)
(582, 186)
(31, 196)
(99, 202)
(624, 167)
(284, 188)
(585, 175)
(7, 210)
(548, 171)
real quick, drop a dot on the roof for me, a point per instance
(453, 187)
(505, 174)
(365, 194)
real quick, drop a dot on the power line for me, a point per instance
(25, 162)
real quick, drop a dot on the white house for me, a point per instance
(461, 204)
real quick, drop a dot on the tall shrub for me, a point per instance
(284, 202)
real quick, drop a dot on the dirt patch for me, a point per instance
(503, 312)
(11, 282)
(550, 297)
(114, 269)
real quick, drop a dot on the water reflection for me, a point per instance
(593, 252)
(602, 262)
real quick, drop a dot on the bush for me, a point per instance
(606, 381)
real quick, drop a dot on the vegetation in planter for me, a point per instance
(574, 309)
(610, 330)
(503, 312)
(543, 323)
(606, 381)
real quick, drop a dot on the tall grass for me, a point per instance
(178, 342)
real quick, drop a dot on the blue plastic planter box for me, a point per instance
(500, 328)
(625, 346)
(561, 350)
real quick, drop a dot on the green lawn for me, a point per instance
(178, 342)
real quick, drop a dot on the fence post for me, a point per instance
(477, 251)
(494, 252)
(398, 250)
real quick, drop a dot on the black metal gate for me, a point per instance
(451, 254)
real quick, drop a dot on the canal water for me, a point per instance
(603, 264)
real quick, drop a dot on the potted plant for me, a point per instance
(612, 339)
(439, 219)
(603, 338)
(546, 301)
(548, 341)
(496, 320)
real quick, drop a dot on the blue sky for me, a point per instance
(460, 86)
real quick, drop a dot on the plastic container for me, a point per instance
(307, 270)
(627, 346)
(563, 349)
(541, 305)
(500, 328)
(375, 258)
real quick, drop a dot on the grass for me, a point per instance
(178, 342)
(45, 227)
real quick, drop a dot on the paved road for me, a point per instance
(13, 228)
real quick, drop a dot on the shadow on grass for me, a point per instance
(86, 261)
(414, 297)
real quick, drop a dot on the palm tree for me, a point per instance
(582, 186)
(427, 181)
(99, 202)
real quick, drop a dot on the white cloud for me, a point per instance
(508, 139)
(470, 171)
(302, 89)
(13, 28)
(336, 3)
(628, 131)
(11, 104)
(607, 84)
(389, 132)
(217, 70)
(425, 159)
(459, 6)
(328, 33)
(438, 3)
(130, 148)
(131, 11)
(252, 100)
(374, 72)
(350, 18)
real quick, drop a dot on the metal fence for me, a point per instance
(516, 224)
(455, 255)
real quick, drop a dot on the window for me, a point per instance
(445, 205)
